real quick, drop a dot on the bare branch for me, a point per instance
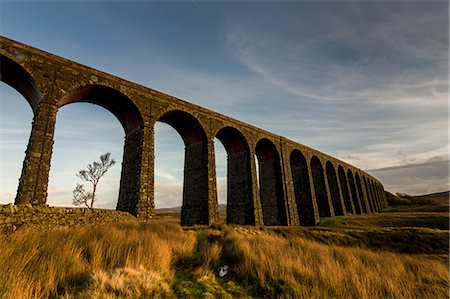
(92, 174)
(81, 196)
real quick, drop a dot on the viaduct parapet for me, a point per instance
(297, 185)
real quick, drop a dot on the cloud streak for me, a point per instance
(364, 81)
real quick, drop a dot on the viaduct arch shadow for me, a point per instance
(319, 186)
(374, 196)
(354, 192)
(378, 195)
(361, 194)
(302, 188)
(345, 190)
(270, 183)
(195, 205)
(334, 189)
(240, 207)
(369, 195)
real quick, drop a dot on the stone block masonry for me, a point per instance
(13, 217)
(271, 180)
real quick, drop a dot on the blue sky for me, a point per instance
(365, 81)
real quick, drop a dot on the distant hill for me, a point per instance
(169, 210)
(436, 202)
(439, 197)
(435, 198)
(222, 209)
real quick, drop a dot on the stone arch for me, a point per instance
(16, 115)
(195, 205)
(131, 120)
(372, 196)
(370, 207)
(270, 183)
(34, 176)
(240, 207)
(17, 77)
(375, 195)
(334, 189)
(361, 194)
(354, 192)
(112, 100)
(319, 186)
(302, 188)
(345, 190)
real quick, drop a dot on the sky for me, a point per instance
(364, 81)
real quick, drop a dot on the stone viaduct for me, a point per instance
(296, 186)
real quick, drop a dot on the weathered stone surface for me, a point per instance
(296, 184)
(43, 216)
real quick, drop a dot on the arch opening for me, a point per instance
(368, 195)
(334, 189)
(14, 75)
(302, 188)
(84, 132)
(110, 99)
(345, 191)
(15, 126)
(380, 193)
(320, 188)
(361, 194)
(270, 183)
(220, 158)
(240, 207)
(168, 171)
(129, 116)
(374, 196)
(355, 195)
(195, 206)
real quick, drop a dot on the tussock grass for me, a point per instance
(400, 240)
(39, 264)
(159, 259)
(272, 266)
(127, 282)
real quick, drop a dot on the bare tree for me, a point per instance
(92, 174)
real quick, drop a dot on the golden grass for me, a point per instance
(127, 282)
(39, 264)
(142, 260)
(296, 267)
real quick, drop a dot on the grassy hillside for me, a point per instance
(349, 257)
(435, 202)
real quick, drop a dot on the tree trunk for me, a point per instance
(93, 195)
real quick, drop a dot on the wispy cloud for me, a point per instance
(419, 178)
(384, 59)
(371, 79)
(166, 176)
(365, 81)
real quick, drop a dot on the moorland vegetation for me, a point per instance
(400, 253)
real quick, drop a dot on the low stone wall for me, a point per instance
(13, 217)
